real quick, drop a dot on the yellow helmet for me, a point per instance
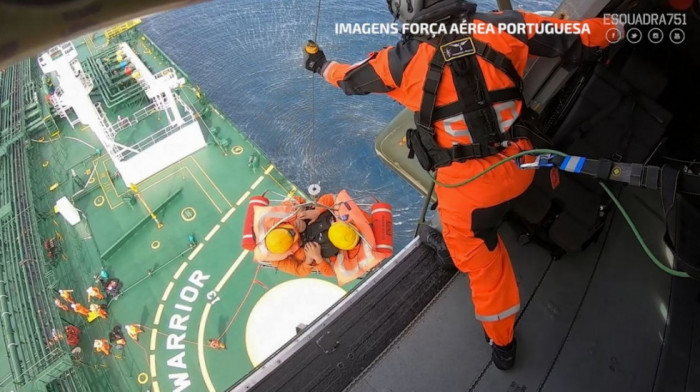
(280, 239)
(343, 236)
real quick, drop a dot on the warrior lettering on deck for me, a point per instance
(178, 330)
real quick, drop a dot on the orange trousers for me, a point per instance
(471, 215)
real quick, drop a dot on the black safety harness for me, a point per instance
(475, 101)
(318, 232)
(680, 197)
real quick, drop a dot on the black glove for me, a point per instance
(314, 59)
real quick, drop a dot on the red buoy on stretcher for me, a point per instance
(248, 239)
(382, 228)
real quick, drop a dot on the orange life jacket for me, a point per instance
(347, 265)
(267, 218)
(351, 264)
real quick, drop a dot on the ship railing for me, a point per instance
(4, 381)
(157, 136)
(37, 323)
(169, 76)
(121, 124)
(134, 118)
(179, 100)
(104, 122)
(115, 150)
(58, 103)
(35, 368)
(144, 85)
(144, 112)
(86, 80)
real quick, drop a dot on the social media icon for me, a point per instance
(656, 35)
(613, 36)
(677, 36)
(634, 35)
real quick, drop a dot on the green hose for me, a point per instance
(639, 237)
(537, 151)
(631, 224)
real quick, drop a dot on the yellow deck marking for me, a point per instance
(188, 209)
(157, 180)
(257, 182)
(212, 232)
(167, 291)
(203, 322)
(203, 190)
(159, 312)
(179, 270)
(103, 189)
(195, 251)
(210, 180)
(153, 365)
(269, 169)
(245, 195)
(109, 178)
(228, 214)
(154, 335)
(231, 270)
(156, 388)
(200, 348)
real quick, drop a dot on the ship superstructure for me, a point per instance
(116, 172)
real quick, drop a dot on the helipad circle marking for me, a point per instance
(99, 201)
(276, 315)
(188, 214)
(237, 150)
(155, 244)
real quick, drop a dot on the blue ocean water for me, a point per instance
(247, 57)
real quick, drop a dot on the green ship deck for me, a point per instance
(181, 293)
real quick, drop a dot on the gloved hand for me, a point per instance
(314, 59)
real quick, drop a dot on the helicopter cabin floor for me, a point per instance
(592, 321)
(181, 294)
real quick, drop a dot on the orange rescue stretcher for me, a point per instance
(374, 228)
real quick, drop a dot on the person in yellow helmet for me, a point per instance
(319, 239)
(343, 235)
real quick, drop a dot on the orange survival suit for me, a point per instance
(294, 263)
(469, 119)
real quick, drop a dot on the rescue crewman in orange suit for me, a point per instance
(216, 344)
(133, 330)
(101, 346)
(80, 309)
(66, 295)
(61, 305)
(94, 291)
(97, 309)
(308, 257)
(466, 93)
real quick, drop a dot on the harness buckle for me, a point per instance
(543, 160)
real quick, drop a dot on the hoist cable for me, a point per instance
(313, 76)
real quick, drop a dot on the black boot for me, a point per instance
(433, 239)
(503, 356)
